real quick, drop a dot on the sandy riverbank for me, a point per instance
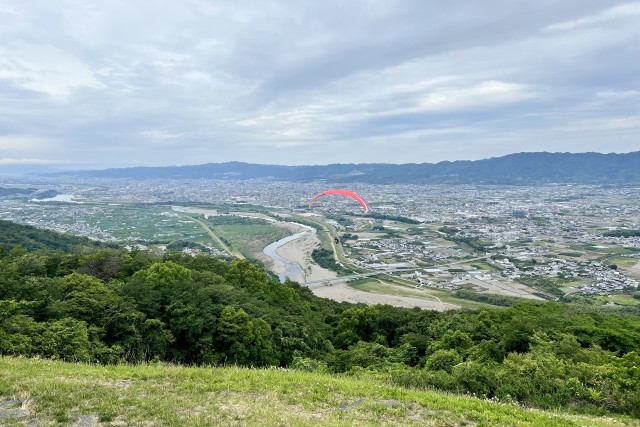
(342, 292)
(299, 251)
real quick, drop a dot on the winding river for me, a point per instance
(292, 270)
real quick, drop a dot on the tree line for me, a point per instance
(110, 305)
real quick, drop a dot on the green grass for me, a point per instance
(251, 239)
(573, 283)
(621, 251)
(54, 392)
(127, 223)
(481, 266)
(571, 254)
(623, 262)
(241, 236)
(378, 287)
(442, 295)
(584, 247)
(132, 222)
(619, 299)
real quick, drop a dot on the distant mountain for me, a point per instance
(520, 168)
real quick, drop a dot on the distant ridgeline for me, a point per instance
(521, 168)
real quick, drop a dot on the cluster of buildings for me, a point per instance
(411, 252)
(607, 282)
(524, 230)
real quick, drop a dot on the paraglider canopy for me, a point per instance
(346, 193)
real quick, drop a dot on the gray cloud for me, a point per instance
(96, 84)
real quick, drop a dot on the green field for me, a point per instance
(146, 223)
(381, 287)
(571, 254)
(126, 223)
(480, 266)
(621, 251)
(252, 239)
(44, 392)
(619, 299)
(623, 262)
(403, 287)
(248, 235)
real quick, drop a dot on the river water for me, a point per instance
(292, 270)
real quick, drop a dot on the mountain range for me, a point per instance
(519, 168)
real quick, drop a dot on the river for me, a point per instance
(292, 270)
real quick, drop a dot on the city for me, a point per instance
(554, 242)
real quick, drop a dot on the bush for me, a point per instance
(475, 378)
(308, 365)
(443, 360)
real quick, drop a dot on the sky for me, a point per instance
(117, 83)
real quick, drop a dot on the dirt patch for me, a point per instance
(299, 251)
(341, 292)
(635, 270)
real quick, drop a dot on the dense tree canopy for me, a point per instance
(113, 305)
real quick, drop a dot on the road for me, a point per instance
(385, 272)
(215, 237)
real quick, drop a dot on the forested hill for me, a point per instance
(32, 238)
(521, 168)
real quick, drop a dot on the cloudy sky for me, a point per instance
(92, 84)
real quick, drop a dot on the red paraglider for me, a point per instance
(346, 193)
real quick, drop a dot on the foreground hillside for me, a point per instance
(53, 392)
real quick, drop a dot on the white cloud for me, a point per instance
(191, 82)
(291, 132)
(480, 95)
(23, 143)
(289, 144)
(627, 10)
(7, 10)
(45, 69)
(160, 135)
(605, 124)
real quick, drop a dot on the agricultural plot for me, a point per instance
(155, 225)
(381, 287)
(248, 235)
(126, 224)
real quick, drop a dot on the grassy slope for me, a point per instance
(58, 392)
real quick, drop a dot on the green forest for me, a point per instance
(105, 305)
(31, 238)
